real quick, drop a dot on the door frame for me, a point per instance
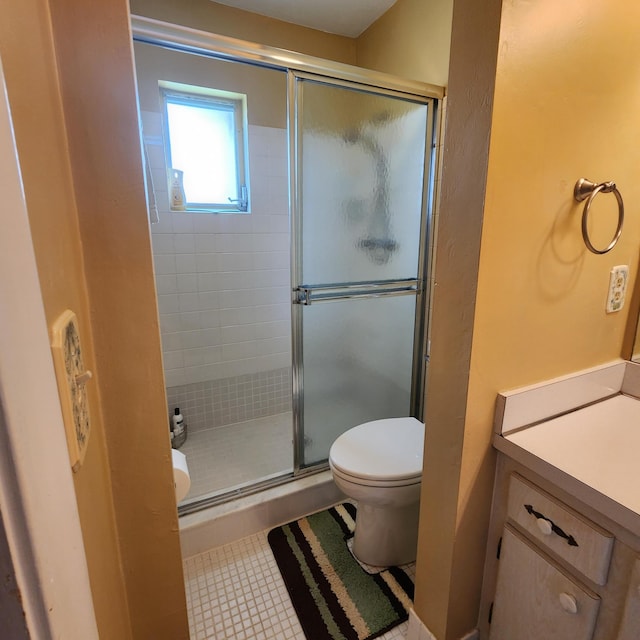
(37, 497)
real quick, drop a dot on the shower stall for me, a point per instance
(303, 312)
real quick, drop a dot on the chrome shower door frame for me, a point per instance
(297, 65)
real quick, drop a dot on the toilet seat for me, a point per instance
(383, 453)
(374, 482)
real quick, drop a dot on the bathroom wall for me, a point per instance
(410, 40)
(217, 18)
(223, 279)
(84, 188)
(539, 310)
(224, 295)
(73, 105)
(28, 55)
(524, 329)
(98, 90)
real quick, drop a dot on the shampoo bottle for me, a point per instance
(178, 423)
(176, 190)
(179, 429)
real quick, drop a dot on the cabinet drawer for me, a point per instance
(534, 599)
(581, 543)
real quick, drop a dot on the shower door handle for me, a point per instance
(308, 294)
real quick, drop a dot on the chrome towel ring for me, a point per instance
(587, 190)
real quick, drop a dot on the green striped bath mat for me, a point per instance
(334, 597)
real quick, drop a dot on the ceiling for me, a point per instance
(343, 17)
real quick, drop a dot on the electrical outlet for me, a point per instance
(617, 288)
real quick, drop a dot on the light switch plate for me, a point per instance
(72, 378)
(617, 288)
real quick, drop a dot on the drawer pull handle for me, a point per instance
(568, 603)
(545, 526)
(571, 541)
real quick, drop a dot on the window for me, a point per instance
(205, 139)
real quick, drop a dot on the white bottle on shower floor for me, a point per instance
(179, 429)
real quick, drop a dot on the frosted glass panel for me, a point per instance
(358, 357)
(362, 169)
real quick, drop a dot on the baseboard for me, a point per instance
(418, 631)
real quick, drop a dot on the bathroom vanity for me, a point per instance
(563, 556)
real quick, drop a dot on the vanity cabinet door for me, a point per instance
(535, 600)
(630, 624)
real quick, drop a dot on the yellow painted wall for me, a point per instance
(440, 600)
(72, 97)
(410, 40)
(566, 99)
(206, 15)
(28, 56)
(551, 127)
(99, 96)
(540, 298)
(266, 89)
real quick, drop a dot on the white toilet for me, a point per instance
(379, 464)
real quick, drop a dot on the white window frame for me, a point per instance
(214, 99)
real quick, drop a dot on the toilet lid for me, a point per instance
(387, 449)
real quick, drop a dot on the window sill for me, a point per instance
(216, 211)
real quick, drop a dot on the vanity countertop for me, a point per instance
(598, 445)
(591, 452)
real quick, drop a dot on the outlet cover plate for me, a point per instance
(617, 288)
(71, 376)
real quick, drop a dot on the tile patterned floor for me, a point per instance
(235, 592)
(226, 458)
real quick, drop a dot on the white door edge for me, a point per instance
(37, 497)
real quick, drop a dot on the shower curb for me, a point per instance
(225, 523)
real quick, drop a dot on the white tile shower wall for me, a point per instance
(223, 279)
(216, 403)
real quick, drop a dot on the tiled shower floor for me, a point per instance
(235, 592)
(229, 457)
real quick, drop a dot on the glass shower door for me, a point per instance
(360, 175)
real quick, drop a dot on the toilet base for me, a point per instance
(386, 536)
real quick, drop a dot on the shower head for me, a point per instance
(351, 136)
(377, 243)
(379, 250)
(381, 118)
